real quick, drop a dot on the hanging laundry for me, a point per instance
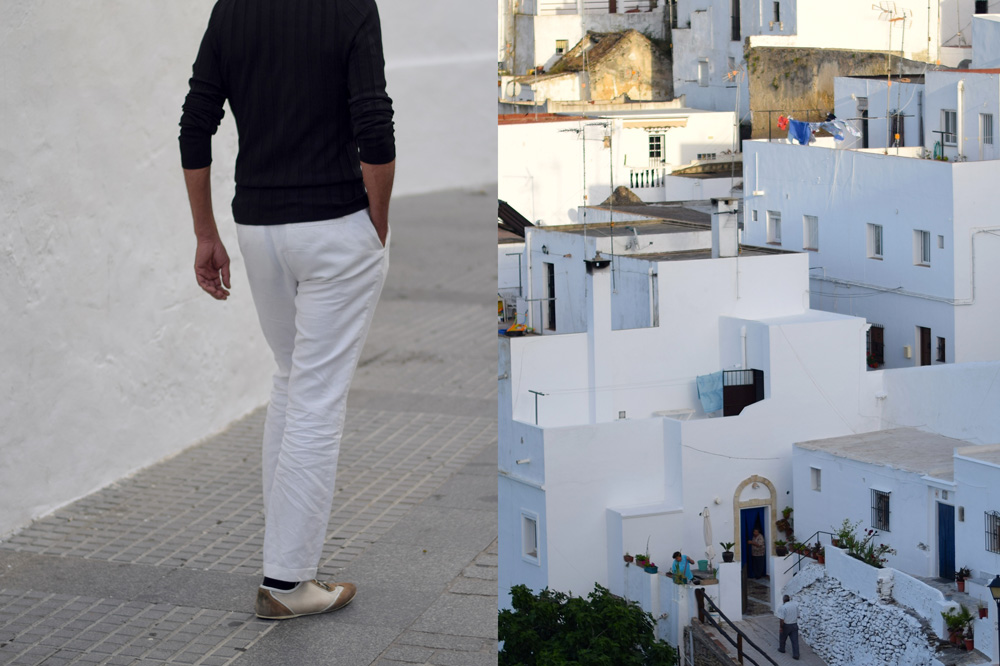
(782, 123)
(710, 391)
(799, 131)
(838, 127)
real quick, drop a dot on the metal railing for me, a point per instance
(705, 618)
(802, 556)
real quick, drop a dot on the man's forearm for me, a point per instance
(199, 190)
(378, 181)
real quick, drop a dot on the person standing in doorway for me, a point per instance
(305, 83)
(788, 623)
(757, 546)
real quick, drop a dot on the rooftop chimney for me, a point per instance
(725, 228)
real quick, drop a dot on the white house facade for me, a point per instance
(605, 445)
(549, 168)
(905, 243)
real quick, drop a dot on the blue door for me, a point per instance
(751, 519)
(946, 541)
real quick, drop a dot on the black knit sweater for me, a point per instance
(305, 82)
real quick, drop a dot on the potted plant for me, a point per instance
(846, 535)
(727, 550)
(969, 642)
(629, 558)
(650, 567)
(957, 622)
(642, 559)
(785, 522)
(819, 552)
(780, 548)
(983, 612)
(960, 577)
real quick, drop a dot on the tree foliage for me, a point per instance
(554, 629)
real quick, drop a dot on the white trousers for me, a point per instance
(315, 286)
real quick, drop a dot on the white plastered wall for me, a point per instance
(112, 358)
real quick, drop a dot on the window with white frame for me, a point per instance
(921, 247)
(703, 72)
(774, 227)
(986, 128)
(941, 351)
(753, 215)
(529, 537)
(655, 147)
(949, 127)
(810, 232)
(816, 478)
(561, 46)
(874, 241)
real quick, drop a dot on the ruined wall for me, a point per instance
(800, 81)
(635, 67)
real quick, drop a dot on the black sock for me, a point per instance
(278, 584)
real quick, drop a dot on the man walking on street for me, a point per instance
(305, 83)
(788, 620)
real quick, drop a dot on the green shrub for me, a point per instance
(555, 629)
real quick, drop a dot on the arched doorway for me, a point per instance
(755, 506)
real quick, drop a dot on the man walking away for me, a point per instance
(306, 85)
(788, 620)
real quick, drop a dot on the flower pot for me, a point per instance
(629, 558)
(821, 559)
(728, 556)
(835, 542)
(983, 612)
(955, 636)
(969, 644)
(961, 585)
(780, 551)
(651, 568)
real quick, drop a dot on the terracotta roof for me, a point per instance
(524, 118)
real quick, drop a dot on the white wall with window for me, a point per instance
(774, 227)
(871, 261)
(895, 499)
(921, 247)
(961, 112)
(905, 104)
(810, 232)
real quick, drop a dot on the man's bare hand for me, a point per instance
(211, 267)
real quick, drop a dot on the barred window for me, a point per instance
(880, 510)
(993, 531)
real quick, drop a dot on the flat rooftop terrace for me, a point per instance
(906, 449)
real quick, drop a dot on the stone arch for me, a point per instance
(770, 501)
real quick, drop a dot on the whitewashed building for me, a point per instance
(948, 113)
(908, 243)
(604, 443)
(536, 33)
(709, 38)
(551, 165)
(931, 497)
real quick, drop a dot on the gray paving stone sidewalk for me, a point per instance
(161, 568)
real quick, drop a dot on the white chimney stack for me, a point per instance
(725, 228)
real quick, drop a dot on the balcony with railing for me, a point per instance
(558, 7)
